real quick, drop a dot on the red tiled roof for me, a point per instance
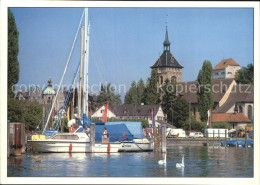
(230, 117)
(224, 63)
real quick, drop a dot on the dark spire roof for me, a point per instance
(166, 59)
(166, 41)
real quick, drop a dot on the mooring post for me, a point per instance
(163, 139)
(213, 137)
(236, 137)
(246, 140)
(92, 137)
(154, 138)
(8, 137)
(218, 137)
(225, 138)
(207, 137)
(23, 138)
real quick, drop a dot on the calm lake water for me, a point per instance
(199, 161)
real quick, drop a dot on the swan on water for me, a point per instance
(161, 162)
(181, 165)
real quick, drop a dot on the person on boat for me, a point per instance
(73, 124)
(105, 135)
(124, 136)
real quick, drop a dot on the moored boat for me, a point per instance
(72, 142)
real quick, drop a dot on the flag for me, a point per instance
(104, 117)
(208, 123)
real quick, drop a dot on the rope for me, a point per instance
(68, 61)
(66, 99)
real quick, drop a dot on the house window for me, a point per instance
(222, 73)
(102, 111)
(240, 109)
(230, 73)
(216, 74)
(124, 112)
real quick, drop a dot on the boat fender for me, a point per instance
(70, 148)
(108, 147)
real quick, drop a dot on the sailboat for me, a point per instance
(78, 141)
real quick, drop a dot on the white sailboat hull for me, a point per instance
(137, 145)
(72, 146)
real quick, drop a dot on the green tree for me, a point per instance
(151, 93)
(168, 99)
(140, 91)
(15, 110)
(13, 49)
(131, 95)
(135, 95)
(33, 115)
(180, 110)
(198, 126)
(107, 95)
(245, 75)
(204, 93)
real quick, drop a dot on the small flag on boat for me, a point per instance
(208, 123)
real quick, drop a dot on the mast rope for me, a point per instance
(68, 61)
(66, 99)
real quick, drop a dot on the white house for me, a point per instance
(225, 69)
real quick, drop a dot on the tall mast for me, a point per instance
(85, 85)
(80, 75)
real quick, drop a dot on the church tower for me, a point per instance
(167, 67)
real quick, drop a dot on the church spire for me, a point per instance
(166, 42)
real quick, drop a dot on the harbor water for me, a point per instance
(199, 161)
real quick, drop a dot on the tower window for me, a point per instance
(161, 80)
(173, 79)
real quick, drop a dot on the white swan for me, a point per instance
(161, 162)
(181, 165)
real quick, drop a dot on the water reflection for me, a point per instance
(199, 162)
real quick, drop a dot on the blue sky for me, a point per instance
(125, 42)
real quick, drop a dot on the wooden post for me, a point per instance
(218, 136)
(236, 137)
(17, 139)
(246, 140)
(163, 139)
(154, 138)
(225, 138)
(23, 138)
(207, 137)
(92, 137)
(8, 137)
(213, 137)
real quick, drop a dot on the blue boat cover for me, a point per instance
(135, 128)
(87, 121)
(115, 132)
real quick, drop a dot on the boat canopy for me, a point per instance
(115, 133)
(135, 128)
